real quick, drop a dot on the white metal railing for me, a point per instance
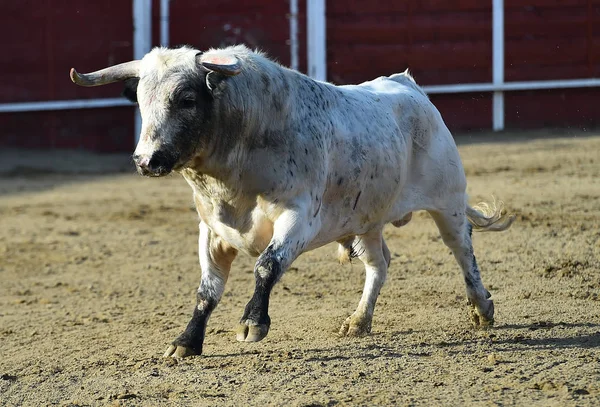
(142, 43)
(63, 105)
(316, 39)
(511, 86)
(293, 17)
(498, 63)
(164, 23)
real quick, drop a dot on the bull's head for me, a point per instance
(175, 91)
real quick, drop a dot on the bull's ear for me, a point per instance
(219, 67)
(227, 65)
(130, 89)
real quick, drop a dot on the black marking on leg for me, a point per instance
(469, 281)
(257, 309)
(267, 273)
(470, 229)
(472, 276)
(474, 266)
(193, 336)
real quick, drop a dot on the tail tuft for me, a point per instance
(489, 217)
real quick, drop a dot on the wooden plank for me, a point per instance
(349, 63)
(200, 9)
(530, 72)
(558, 24)
(423, 76)
(266, 31)
(103, 130)
(532, 4)
(553, 108)
(362, 8)
(467, 111)
(545, 52)
(394, 29)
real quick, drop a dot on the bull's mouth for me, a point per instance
(154, 172)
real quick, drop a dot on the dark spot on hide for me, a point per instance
(270, 140)
(266, 81)
(318, 209)
(356, 200)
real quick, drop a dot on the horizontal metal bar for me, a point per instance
(63, 105)
(433, 89)
(512, 86)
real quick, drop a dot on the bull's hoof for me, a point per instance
(185, 345)
(482, 315)
(356, 326)
(250, 331)
(179, 352)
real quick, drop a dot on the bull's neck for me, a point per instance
(247, 121)
(218, 165)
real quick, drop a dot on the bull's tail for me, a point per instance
(489, 217)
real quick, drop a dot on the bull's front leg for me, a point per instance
(216, 257)
(292, 232)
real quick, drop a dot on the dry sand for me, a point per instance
(98, 271)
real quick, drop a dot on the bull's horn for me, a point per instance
(111, 74)
(224, 64)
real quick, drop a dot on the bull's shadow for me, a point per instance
(513, 337)
(585, 341)
(500, 342)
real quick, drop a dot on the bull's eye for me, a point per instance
(187, 103)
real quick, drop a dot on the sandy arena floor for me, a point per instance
(98, 272)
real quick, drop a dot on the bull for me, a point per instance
(281, 164)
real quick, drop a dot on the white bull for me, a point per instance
(281, 164)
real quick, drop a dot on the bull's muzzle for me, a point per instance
(156, 165)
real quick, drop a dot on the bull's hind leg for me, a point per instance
(455, 230)
(216, 257)
(373, 252)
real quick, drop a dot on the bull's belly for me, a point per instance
(341, 226)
